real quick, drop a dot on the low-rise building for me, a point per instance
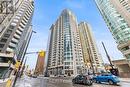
(123, 66)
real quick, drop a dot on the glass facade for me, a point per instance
(4, 72)
(67, 39)
(116, 16)
(116, 23)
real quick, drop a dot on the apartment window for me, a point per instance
(125, 48)
(3, 70)
(128, 56)
(3, 40)
(1, 45)
(11, 27)
(7, 35)
(123, 27)
(9, 31)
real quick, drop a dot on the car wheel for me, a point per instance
(98, 82)
(94, 80)
(73, 81)
(84, 82)
(90, 83)
(110, 82)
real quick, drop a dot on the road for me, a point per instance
(51, 82)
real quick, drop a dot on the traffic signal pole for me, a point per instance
(23, 67)
(21, 62)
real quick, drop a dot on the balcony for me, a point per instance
(15, 40)
(126, 52)
(16, 36)
(12, 44)
(21, 29)
(18, 32)
(10, 50)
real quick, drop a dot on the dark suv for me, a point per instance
(82, 79)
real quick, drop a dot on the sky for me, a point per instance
(46, 13)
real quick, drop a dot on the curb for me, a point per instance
(126, 81)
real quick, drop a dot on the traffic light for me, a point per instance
(17, 64)
(42, 53)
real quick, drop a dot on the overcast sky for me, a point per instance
(46, 13)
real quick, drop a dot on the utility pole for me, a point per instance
(21, 62)
(23, 67)
(107, 56)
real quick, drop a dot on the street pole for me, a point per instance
(26, 48)
(17, 73)
(108, 56)
(23, 67)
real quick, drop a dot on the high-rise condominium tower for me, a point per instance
(15, 33)
(64, 51)
(65, 54)
(116, 14)
(91, 55)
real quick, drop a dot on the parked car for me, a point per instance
(111, 79)
(82, 79)
(61, 75)
(34, 76)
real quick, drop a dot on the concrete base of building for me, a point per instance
(123, 68)
(124, 74)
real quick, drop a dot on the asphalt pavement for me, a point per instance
(59, 82)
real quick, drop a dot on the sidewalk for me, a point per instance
(3, 83)
(125, 80)
(23, 82)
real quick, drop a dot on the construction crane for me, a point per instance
(113, 70)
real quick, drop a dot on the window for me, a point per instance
(3, 40)
(128, 56)
(125, 48)
(6, 35)
(3, 70)
(1, 45)
(123, 27)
